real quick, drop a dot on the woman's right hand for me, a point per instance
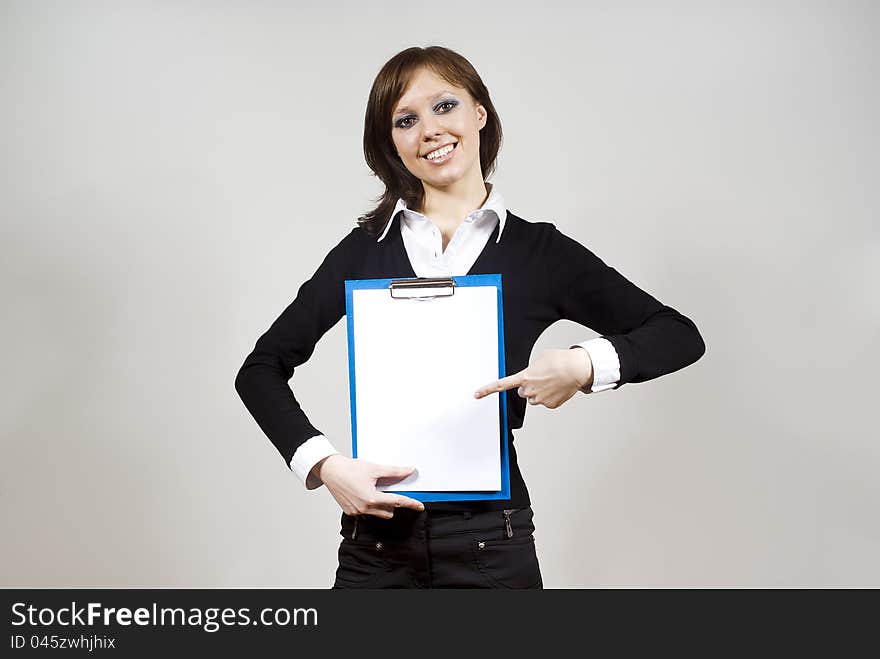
(353, 484)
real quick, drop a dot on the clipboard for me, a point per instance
(402, 334)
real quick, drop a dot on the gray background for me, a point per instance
(172, 172)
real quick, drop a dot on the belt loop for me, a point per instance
(354, 531)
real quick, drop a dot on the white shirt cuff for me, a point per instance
(606, 364)
(310, 453)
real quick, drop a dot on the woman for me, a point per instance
(432, 136)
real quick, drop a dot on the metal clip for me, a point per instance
(407, 288)
(507, 527)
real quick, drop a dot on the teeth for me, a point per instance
(439, 152)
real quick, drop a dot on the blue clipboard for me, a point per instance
(438, 283)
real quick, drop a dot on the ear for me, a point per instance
(482, 116)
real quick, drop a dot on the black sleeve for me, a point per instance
(289, 342)
(651, 338)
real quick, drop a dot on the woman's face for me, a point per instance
(434, 114)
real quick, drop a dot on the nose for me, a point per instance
(431, 128)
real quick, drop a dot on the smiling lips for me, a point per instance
(442, 154)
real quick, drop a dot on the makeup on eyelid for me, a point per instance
(452, 102)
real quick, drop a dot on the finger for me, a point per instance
(392, 473)
(412, 504)
(501, 385)
(399, 501)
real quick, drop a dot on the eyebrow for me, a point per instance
(437, 95)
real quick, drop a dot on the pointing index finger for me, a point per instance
(500, 385)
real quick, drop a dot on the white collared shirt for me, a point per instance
(424, 241)
(424, 247)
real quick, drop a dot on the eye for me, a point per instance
(406, 122)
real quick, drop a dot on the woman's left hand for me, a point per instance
(554, 377)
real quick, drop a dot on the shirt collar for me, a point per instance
(494, 202)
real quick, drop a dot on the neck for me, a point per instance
(448, 206)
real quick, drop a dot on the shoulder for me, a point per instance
(546, 243)
(535, 233)
(353, 239)
(344, 251)
(531, 226)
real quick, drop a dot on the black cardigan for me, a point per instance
(546, 276)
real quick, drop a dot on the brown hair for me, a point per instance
(389, 85)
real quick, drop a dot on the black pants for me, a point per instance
(494, 549)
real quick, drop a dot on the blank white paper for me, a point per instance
(417, 366)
